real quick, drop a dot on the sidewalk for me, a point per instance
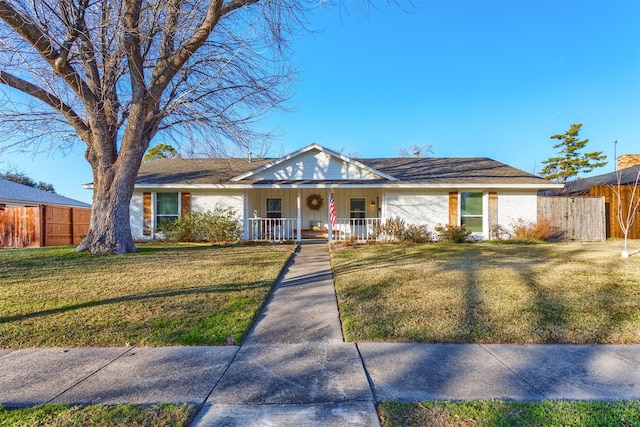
(294, 368)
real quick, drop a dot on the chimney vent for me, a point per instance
(249, 154)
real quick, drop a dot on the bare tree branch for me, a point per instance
(118, 72)
(46, 97)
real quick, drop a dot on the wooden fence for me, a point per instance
(611, 201)
(44, 225)
(578, 218)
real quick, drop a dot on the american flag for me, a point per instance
(332, 211)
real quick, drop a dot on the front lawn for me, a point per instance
(489, 293)
(496, 413)
(160, 295)
(169, 415)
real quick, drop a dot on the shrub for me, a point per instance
(218, 226)
(396, 229)
(418, 233)
(392, 229)
(542, 230)
(452, 233)
(187, 228)
(225, 226)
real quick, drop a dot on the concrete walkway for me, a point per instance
(294, 368)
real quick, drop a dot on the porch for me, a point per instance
(283, 229)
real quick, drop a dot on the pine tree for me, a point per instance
(160, 151)
(570, 161)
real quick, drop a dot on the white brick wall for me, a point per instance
(417, 207)
(516, 205)
(200, 202)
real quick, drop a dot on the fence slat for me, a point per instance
(611, 198)
(579, 218)
(20, 227)
(23, 227)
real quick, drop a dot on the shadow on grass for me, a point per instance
(216, 289)
(550, 313)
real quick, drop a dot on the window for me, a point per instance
(471, 211)
(274, 208)
(167, 208)
(357, 209)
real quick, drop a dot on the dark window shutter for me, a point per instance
(186, 203)
(147, 217)
(453, 209)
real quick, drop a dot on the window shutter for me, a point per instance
(186, 204)
(453, 209)
(147, 217)
(493, 213)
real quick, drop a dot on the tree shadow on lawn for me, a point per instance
(213, 289)
(476, 325)
(555, 317)
(381, 256)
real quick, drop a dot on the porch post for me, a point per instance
(299, 218)
(245, 215)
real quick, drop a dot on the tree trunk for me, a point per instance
(110, 230)
(113, 185)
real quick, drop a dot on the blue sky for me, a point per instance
(471, 78)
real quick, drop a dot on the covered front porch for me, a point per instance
(282, 229)
(273, 214)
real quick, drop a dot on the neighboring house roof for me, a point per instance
(378, 172)
(581, 186)
(12, 193)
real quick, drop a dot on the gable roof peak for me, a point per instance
(307, 149)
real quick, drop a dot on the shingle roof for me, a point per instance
(582, 185)
(452, 170)
(12, 192)
(406, 170)
(195, 171)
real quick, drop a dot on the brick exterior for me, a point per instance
(628, 160)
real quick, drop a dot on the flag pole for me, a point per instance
(329, 225)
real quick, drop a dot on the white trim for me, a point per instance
(154, 206)
(305, 150)
(452, 186)
(485, 212)
(299, 215)
(245, 215)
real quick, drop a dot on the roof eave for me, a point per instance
(235, 185)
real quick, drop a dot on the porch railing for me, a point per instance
(280, 229)
(356, 229)
(273, 229)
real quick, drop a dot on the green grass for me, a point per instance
(160, 295)
(497, 413)
(489, 293)
(121, 415)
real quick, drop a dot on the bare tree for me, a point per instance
(114, 73)
(627, 209)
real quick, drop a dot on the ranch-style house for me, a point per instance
(289, 198)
